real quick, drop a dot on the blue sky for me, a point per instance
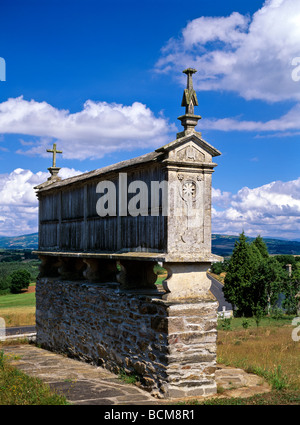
(104, 81)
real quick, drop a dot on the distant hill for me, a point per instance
(19, 242)
(221, 244)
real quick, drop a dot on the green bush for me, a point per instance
(225, 323)
(254, 280)
(277, 313)
(19, 280)
(4, 285)
(217, 268)
(6, 270)
(245, 324)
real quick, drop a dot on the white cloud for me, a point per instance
(220, 198)
(288, 123)
(19, 205)
(99, 128)
(257, 57)
(229, 29)
(269, 210)
(250, 56)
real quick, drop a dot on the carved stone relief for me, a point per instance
(190, 153)
(191, 194)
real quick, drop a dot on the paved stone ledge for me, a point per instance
(85, 384)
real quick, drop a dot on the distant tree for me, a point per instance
(4, 284)
(254, 280)
(217, 268)
(20, 280)
(267, 282)
(237, 282)
(11, 258)
(262, 247)
(28, 255)
(256, 254)
(291, 288)
(286, 259)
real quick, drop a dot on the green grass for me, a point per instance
(161, 274)
(236, 323)
(16, 388)
(131, 378)
(18, 309)
(275, 377)
(285, 397)
(17, 300)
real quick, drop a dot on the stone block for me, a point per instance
(192, 337)
(139, 367)
(176, 324)
(159, 324)
(175, 392)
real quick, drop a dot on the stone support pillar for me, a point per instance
(187, 280)
(192, 330)
(192, 337)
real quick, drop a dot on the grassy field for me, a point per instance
(18, 309)
(16, 388)
(240, 323)
(268, 351)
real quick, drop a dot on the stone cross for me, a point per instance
(54, 151)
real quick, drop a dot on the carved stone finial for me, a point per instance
(189, 100)
(54, 170)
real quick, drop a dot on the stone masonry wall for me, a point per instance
(170, 345)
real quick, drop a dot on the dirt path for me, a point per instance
(30, 289)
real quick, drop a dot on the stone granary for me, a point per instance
(102, 233)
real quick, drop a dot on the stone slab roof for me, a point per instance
(143, 159)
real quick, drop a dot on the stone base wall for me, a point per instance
(170, 345)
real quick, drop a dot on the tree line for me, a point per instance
(10, 278)
(16, 282)
(255, 281)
